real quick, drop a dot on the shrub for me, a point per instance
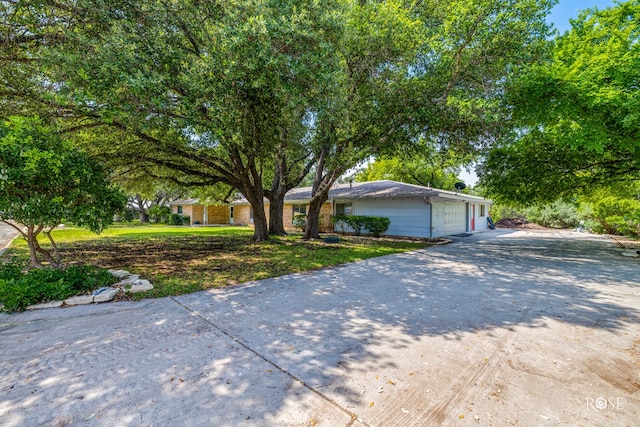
(19, 289)
(159, 213)
(556, 215)
(617, 216)
(376, 225)
(300, 221)
(177, 219)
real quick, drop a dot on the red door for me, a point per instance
(473, 217)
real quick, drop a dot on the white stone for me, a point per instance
(131, 280)
(51, 304)
(140, 285)
(80, 299)
(120, 274)
(631, 253)
(106, 294)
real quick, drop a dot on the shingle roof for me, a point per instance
(385, 189)
(378, 190)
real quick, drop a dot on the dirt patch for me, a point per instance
(518, 223)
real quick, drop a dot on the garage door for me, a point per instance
(455, 218)
(409, 217)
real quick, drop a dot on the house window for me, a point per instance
(298, 210)
(231, 212)
(250, 213)
(180, 210)
(482, 211)
(344, 209)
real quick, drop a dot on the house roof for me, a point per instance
(385, 189)
(185, 202)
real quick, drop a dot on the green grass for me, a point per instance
(181, 260)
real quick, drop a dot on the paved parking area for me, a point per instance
(503, 327)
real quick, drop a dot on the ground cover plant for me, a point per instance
(180, 260)
(19, 288)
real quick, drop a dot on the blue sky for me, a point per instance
(566, 9)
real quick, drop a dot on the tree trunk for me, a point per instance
(276, 215)
(260, 232)
(33, 242)
(313, 216)
(144, 217)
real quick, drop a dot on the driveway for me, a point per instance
(500, 328)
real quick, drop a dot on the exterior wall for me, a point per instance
(242, 214)
(325, 217)
(408, 217)
(481, 221)
(197, 216)
(217, 214)
(186, 210)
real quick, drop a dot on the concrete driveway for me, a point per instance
(500, 328)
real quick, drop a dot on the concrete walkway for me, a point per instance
(7, 234)
(500, 328)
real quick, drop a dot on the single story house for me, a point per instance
(201, 213)
(413, 210)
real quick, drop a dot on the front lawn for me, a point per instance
(179, 260)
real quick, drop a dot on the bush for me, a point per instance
(617, 216)
(177, 219)
(300, 221)
(19, 289)
(159, 213)
(555, 215)
(376, 225)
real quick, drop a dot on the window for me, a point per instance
(482, 210)
(231, 212)
(250, 213)
(298, 210)
(180, 210)
(344, 209)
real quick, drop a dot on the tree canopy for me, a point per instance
(576, 116)
(44, 180)
(255, 94)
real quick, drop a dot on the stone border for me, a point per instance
(128, 284)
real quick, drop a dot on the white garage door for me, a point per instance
(455, 218)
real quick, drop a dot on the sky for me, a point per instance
(559, 17)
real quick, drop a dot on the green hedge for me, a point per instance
(375, 225)
(177, 219)
(19, 289)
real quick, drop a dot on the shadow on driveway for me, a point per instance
(498, 328)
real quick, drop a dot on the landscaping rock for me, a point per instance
(120, 274)
(105, 294)
(139, 285)
(631, 252)
(51, 304)
(80, 299)
(131, 280)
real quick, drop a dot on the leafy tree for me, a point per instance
(412, 171)
(576, 115)
(434, 73)
(44, 180)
